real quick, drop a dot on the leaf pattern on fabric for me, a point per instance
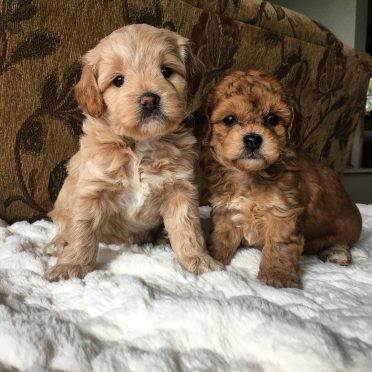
(56, 101)
(36, 44)
(32, 137)
(216, 40)
(56, 179)
(42, 122)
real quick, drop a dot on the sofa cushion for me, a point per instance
(41, 43)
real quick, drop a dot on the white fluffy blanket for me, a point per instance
(139, 311)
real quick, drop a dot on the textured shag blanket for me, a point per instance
(140, 311)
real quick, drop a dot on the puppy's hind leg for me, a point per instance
(161, 236)
(55, 246)
(339, 254)
(329, 249)
(88, 216)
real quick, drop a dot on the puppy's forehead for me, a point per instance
(250, 87)
(137, 44)
(243, 96)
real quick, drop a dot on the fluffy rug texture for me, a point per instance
(139, 311)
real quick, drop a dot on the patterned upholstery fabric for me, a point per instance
(41, 43)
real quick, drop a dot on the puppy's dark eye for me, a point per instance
(118, 81)
(229, 120)
(272, 119)
(166, 71)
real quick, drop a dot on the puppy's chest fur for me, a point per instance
(253, 202)
(155, 164)
(149, 172)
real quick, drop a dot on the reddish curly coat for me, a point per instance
(278, 200)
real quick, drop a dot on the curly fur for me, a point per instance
(275, 198)
(133, 171)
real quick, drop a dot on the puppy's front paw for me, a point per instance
(280, 280)
(202, 264)
(67, 271)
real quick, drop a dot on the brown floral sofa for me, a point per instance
(41, 43)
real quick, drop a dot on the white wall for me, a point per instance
(347, 19)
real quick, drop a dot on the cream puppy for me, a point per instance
(135, 166)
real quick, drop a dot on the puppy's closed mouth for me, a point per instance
(155, 116)
(248, 156)
(251, 155)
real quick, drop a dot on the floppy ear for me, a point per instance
(286, 96)
(87, 93)
(194, 71)
(207, 132)
(293, 130)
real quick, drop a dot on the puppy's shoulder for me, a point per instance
(180, 144)
(97, 137)
(102, 152)
(182, 138)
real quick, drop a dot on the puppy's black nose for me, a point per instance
(149, 101)
(252, 141)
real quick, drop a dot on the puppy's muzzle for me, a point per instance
(252, 141)
(149, 102)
